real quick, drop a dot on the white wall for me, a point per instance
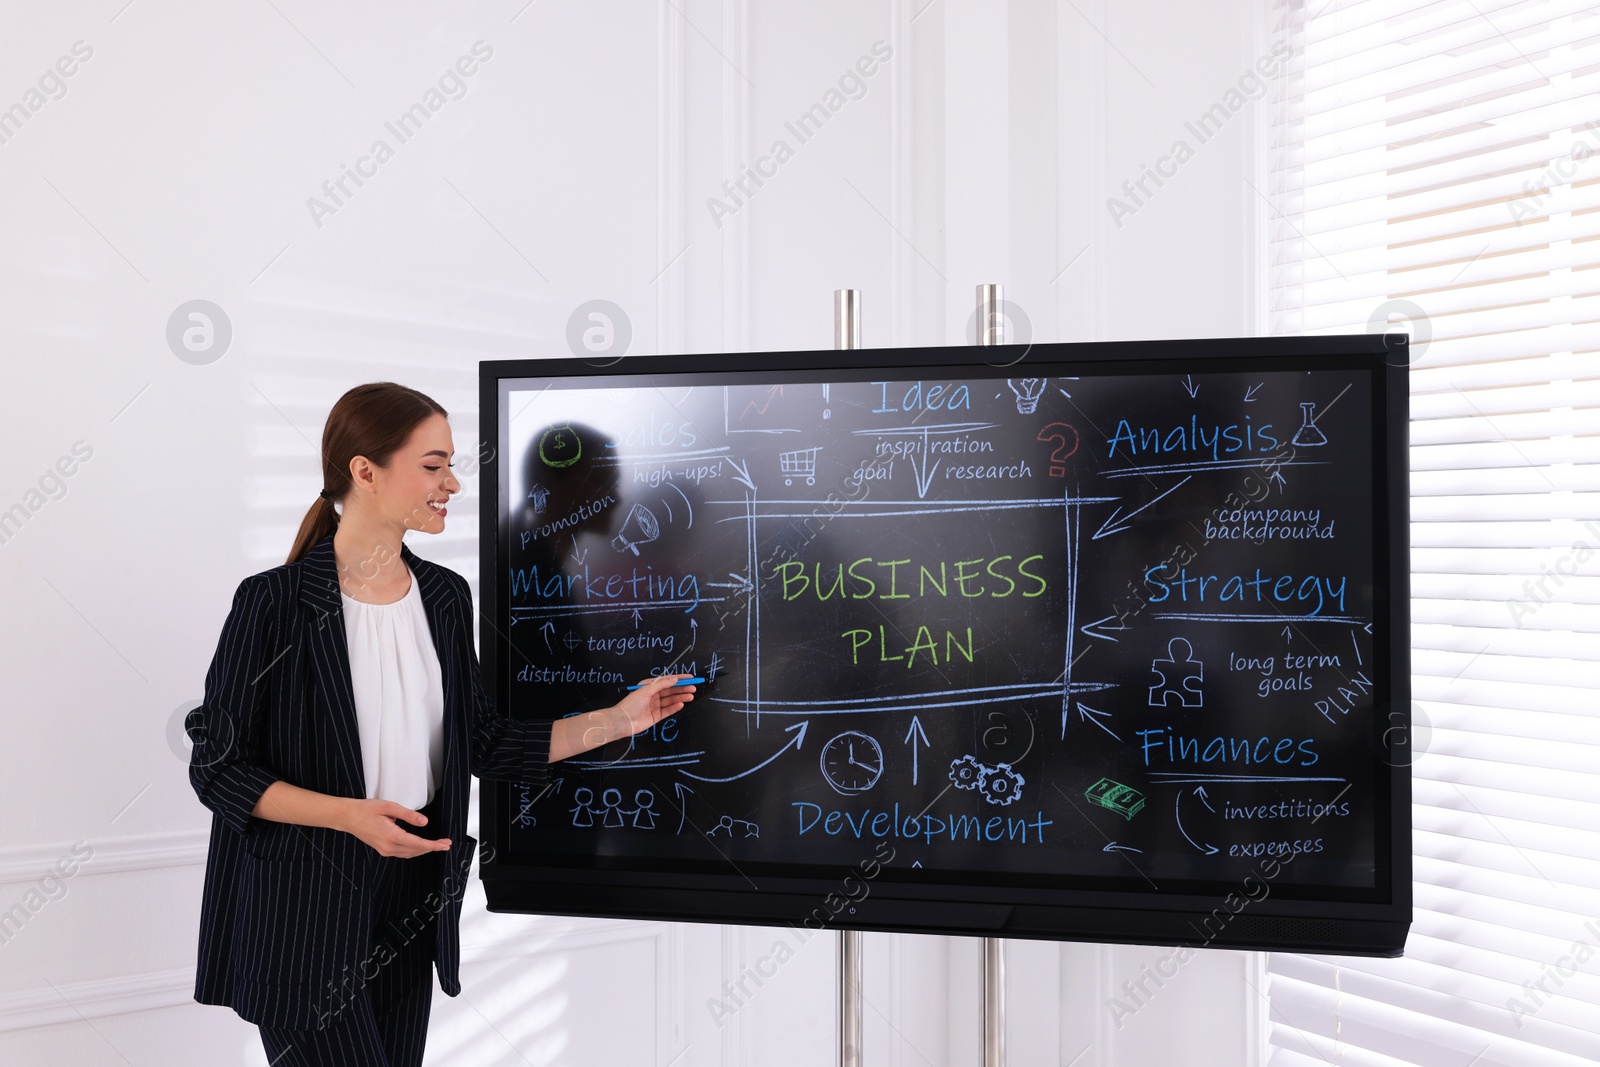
(178, 165)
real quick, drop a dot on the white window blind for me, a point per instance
(1437, 165)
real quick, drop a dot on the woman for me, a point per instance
(343, 713)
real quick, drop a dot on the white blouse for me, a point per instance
(399, 693)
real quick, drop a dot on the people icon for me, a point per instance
(644, 815)
(612, 799)
(583, 814)
(727, 823)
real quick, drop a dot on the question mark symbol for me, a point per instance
(1062, 432)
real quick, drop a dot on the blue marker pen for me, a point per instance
(680, 681)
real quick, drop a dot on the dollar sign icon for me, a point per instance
(556, 450)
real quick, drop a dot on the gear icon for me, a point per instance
(1001, 785)
(967, 773)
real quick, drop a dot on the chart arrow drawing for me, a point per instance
(1110, 526)
(1209, 850)
(794, 742)
(915, 731)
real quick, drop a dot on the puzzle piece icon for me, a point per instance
(1179, 675)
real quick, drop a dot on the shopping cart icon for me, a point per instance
(801, 463)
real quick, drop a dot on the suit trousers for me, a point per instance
(385, 1021)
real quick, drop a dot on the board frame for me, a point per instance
(813, 898)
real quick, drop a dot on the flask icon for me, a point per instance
(1308, 436)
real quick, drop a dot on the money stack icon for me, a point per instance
(1114, 796)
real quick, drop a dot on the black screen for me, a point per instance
(1108, 626)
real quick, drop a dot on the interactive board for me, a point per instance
(1069, 640)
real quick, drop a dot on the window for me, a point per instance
(1437, 166)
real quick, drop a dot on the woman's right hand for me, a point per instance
(373, 821)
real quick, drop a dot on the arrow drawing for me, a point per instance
(915, 731)
(795, 742)
(1188, 384)
(1277, 476)
(576, 555)
(1209, 850)
(1084, 713)
(636, 618)
(679, 789)
(744, 472)
(1092, 629)
(1250, 393)
(924, 472)
(1110, 526)
(1200, 791)
(740, 584)
(547, 629)
(1288, 634)
(1114, 847)
(551, 787)
(694, 635)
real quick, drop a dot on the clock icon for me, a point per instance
(852, 762)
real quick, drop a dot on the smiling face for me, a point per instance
(412, 492)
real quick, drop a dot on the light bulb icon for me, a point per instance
(1028, 391)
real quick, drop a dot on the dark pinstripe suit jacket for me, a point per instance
(282, 940)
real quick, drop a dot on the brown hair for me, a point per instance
(371, 420)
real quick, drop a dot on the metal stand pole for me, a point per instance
(992, 331)
(994, 1002)
(847, 318)
(847, 334)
